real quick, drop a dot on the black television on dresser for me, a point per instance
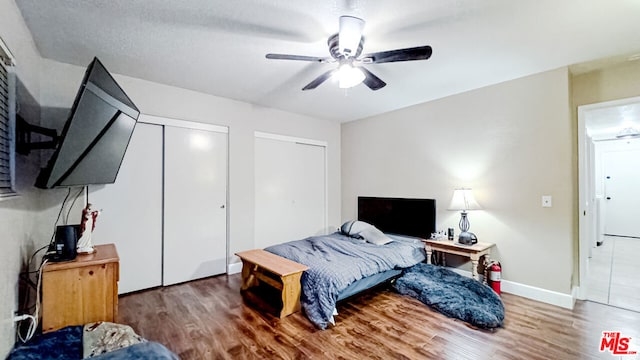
(402, 216)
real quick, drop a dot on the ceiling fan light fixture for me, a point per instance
(628, 133)
(345, 49)
(350, 35)
(349, 76)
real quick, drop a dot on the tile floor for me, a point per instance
(614, 273)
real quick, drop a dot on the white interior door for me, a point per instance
(622, 193)
(131, 214)
(195, 205)
(290, 186)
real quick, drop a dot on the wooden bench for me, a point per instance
(262, 268)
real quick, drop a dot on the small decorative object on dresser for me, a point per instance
(87, 225)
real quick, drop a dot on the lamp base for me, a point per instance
(467, 238)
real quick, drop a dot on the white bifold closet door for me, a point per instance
(290, 190)
(131, 214)
(195, 200)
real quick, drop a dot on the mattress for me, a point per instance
(337, 261)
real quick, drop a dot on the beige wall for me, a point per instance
(17, 218)
(60, 83)
(613, 82)
(511, 143)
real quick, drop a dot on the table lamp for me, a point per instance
(462, 201)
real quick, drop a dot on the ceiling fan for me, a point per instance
(345, 48)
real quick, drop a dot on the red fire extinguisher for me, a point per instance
(495, 274)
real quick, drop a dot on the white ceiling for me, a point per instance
(604, 123)
(218, 47)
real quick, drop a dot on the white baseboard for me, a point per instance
(543, 295)
(234, 268)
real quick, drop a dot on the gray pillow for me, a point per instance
(375, 236)
(353, 228)
(366, 231)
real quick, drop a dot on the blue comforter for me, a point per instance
(335, 261)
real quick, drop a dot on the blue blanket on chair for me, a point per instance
(66, 344)
(452, 294)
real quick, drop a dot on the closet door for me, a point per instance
(290, 200)
(131, 214)
(195, 204)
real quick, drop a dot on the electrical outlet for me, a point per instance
(547, 201)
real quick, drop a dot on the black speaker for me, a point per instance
(66, 243)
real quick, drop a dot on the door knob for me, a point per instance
(608, 198)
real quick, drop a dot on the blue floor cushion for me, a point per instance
(452, 294)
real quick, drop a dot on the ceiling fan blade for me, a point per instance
(296, 57)
(319, 80)
(372, 81)
(408, 54)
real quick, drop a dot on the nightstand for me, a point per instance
(473, 252)
(82, 290)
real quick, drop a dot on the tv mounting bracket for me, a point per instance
(24, 143)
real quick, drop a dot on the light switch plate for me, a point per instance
(546, 201)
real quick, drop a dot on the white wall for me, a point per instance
(59, 85)
(512, 143)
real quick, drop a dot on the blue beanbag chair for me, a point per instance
(452, 294)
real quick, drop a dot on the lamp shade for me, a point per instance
(463, 200)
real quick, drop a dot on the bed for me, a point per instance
(354, 259)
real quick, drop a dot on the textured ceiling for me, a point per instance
(218, 47)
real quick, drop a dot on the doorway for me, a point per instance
(609, 166)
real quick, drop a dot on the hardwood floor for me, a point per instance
(207, 319)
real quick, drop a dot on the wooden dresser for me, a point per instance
(82, 290)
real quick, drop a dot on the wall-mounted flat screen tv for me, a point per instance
(95, 136)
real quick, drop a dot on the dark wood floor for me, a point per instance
(207, 319)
